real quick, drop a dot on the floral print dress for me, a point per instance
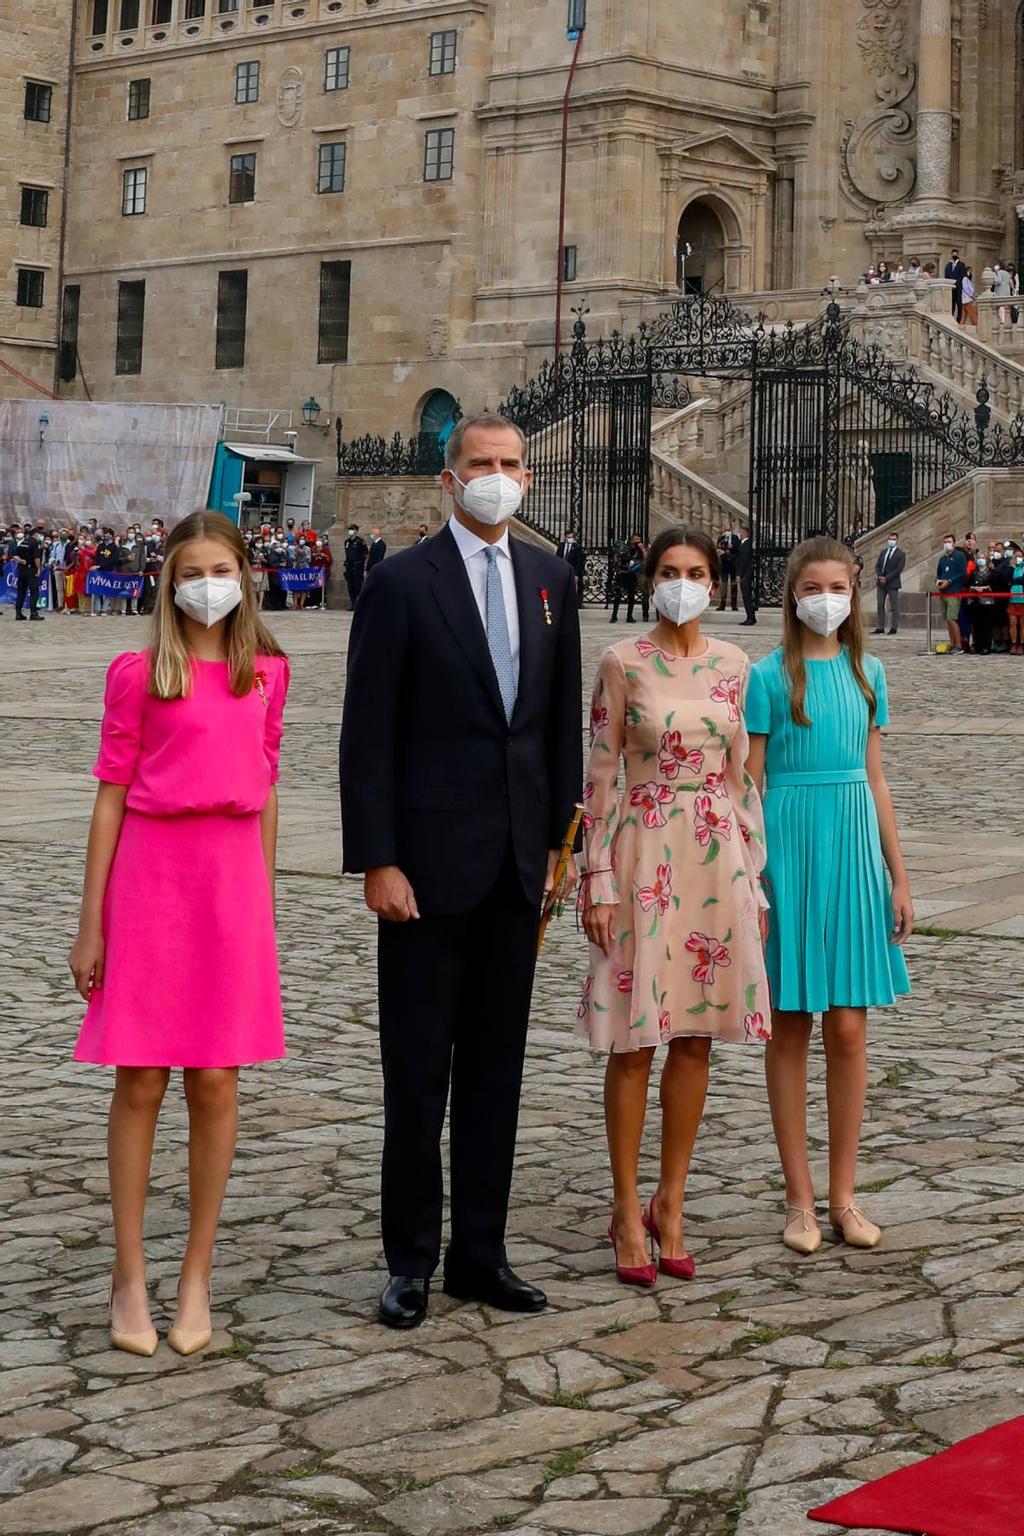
(678, 853)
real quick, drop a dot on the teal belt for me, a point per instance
(826, 776)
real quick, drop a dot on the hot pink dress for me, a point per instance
(190, 977)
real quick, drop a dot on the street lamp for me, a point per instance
(44, 422)
(311, 412)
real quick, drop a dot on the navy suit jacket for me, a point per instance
(434, 779)
(893, 571)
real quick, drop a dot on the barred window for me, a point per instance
(133, 191)
(100, 16)
(131, 313)
(242, 183)
(331, 175)
(138, 100)
(38, 101)
(335, 292)
(129, 15)
(35, 204)
(336, 69)
(439, 155)
(30, 287)
(569, 263)
(247, 82)
(69, 332)
(232, 297)
(443, 49)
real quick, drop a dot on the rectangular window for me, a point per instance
(38, 101)
(227, 7)
(336, 66)
(69, 332)
(439, 155)
(100, 16)
(138, 100)
(194, 9)
(443, 46)
(247, 82)
(577, 16)
(242, 182)
(569, 265)
(129, 15)
(335, 291)
(35, 204)
(131, 314)
(133, 191)
(232, 294)
(331, 176)
(30, 287)
(162, 12)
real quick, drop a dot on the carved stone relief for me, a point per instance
(290, 97)
(876, 158)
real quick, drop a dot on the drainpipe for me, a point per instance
(565, 161)
(64, 201)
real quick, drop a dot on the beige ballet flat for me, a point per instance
(185, 1343)
(852, 1227)
(132, 1343)
(807, 1239)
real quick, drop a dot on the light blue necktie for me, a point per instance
(498, 641)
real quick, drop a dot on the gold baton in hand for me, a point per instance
(564, 855)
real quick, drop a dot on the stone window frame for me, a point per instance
(232, 313)
(131, 324)
(139, 96)
(330, 155)
(134, 191)
(439, 154)
(38, 101)
(31, 197)
(71, 305)
(236, 171)
(31, 287)
(247, 72)
(129, 15)
(444, 52)
(334, 312)
(570, 263)
(333, 59)
(100, 18)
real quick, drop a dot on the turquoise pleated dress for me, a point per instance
(829, 939)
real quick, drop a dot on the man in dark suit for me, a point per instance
(728, 555)
(745, 572)
(955, 272)
(461, 765)
(889, 569)
(572, 551)
(378, 549)
(355, 563)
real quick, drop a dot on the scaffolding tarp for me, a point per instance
(119, 463)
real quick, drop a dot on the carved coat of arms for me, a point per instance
(290, 97)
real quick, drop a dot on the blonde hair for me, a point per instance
(170, 670)
(851, 631)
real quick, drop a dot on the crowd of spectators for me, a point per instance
(982, 595)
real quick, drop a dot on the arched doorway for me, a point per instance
(437, 421)
(700, 268)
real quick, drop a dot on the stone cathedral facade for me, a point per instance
(256, 201)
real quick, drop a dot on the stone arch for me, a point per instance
(710, 225)
(436, 414)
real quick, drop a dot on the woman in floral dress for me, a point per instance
(671, 894)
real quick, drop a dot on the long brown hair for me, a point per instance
(170, 671)
(851, 631)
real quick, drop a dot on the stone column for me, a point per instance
(935, 103)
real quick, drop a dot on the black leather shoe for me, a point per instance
(746, 623)
(499, 1288)
(878, 631)
(404, 1302)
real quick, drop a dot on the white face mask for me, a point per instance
(490, 499)
(208, 599)
(824, 612)
(682, 600)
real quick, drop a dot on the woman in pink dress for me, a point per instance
(671, 895)
(175, 952)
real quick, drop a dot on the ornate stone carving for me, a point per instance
(290, 97)
(876, 156)
(934, 154)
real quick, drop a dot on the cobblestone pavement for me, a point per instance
(726, 1407)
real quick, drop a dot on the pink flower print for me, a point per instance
(624, 982)
(707, 823)
(665, 1024)
(714, 784)
(755, 1028)
(744, 831)
(728, 692)
(259, 682)
(645, 649)
(660, 893)
(587, 819)
(652, 797)
(709, 953)
(584, 1007)
(673, 756)
(598, 719)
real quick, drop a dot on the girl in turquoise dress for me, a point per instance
(815, 711)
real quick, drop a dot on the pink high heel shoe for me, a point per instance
(677, 1269)
(643, 1275)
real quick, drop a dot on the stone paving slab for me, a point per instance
(726, 1407)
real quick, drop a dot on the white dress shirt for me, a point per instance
(472, 551)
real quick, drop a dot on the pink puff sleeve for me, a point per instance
(275, 716)
(121, 731)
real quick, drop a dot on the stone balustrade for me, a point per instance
(681, 497)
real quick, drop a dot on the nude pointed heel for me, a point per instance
(853, 1228)
(185, 1343)
(132, 1343)
(807, 1238)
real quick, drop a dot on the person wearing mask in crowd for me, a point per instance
(107, 561)
(950, 575)
(889, 569)
(969, 550)
(307, 534)
(651, 882)
(83, 565)
(258, 571)
(900, 273)
(1014, 290)
(289, 535)
(968, 309)
(57, 561)
(955, 272)
(1002, 288)
(883, 274)
(977, 636)
(1015, 605)
(378, 549)
(815, 711)
(275, 597)
(152, 564)
(28, 553)
(572, 551)
(745, 572)
(315, 599)
(728, 549)
(133, 563)
(423, 533)
(1000, 572)
(302, 560)
(913, 270)
(626, 579)
(355, 563)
